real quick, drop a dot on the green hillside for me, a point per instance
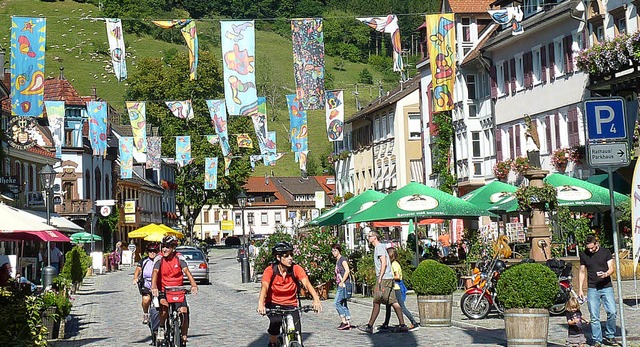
(79, 45)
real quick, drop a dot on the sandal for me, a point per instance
(145, 318)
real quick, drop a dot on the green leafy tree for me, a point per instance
(442, 151)
(168, 79)
(365, 77)
(344, 37)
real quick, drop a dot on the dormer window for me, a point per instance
(532, 7)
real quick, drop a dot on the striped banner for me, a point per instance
(126, 157)
(116, 47)
(298, 124)
(308, 61)
(181, 109)
(55, 116)
(210, 173)
(442, 50)
(97, 112)
(218, 115)
(28, 41)
(183, 150)
(154, 152)
(238, 64)
(138, 118)
(334, 114)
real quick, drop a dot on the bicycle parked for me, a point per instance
(173, 329)
(289, 335)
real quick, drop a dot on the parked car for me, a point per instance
(197, 263)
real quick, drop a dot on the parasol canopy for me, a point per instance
(152, 229)
(493, 196)
(417, 201)
(16, 225)
(581, 195)
(84, 237)
(341, 214)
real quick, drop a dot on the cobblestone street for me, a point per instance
(107, 312)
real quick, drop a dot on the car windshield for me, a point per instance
(192, 255)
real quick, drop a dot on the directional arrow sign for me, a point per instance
(608, 154)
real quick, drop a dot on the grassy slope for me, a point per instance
(71, 43)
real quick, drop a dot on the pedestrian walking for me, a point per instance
(383, 289)
(56, 257)
(400, 291)
(342, 281)
(596, 266)
(575, 336)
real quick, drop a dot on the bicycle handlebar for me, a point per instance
(283, 311)
(185, 289)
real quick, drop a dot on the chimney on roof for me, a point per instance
(94, 93)
(61, 72)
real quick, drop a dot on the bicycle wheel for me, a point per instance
(177, 331)
(295, 344)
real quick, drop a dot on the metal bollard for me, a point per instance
(246, 272)
(48, 273)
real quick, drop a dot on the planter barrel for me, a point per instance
(51, 322)
(435, 310)
(526, 326)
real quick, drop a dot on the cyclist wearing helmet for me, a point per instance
(281, 288)
(142, 278)
(167, 272)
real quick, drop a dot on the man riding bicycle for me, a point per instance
(280, 288)
(167, 272)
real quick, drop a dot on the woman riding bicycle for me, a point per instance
(280, 288)
(167, 272)
(142, 278)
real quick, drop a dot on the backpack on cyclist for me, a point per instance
(276, 271)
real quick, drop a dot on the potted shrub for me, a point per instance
(527, 291)
(313, 253)
(434, 283)
(57, 307)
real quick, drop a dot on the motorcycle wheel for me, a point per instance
(474, 306)
(557, 309)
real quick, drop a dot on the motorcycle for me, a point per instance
(565, 287)
(481, 296)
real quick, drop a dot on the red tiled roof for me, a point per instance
(322, 180)
(470, 6)
(41, 151)
(61, 90)
(257, 185)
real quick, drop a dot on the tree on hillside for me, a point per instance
(160, 80)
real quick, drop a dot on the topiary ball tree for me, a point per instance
(433, 278)
(530, 285)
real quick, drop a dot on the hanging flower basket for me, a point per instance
(560, 158)
(610, 56)
(545, 197)
(501, 169)
(521, 165)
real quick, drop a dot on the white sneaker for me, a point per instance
(160, 335)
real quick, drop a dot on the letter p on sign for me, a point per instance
(605, 119)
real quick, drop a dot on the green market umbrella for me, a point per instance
(325, 215)
(84, 236)
(417, 201)
(619, 184)
(493, 196)
(341, 213)
(581, 195)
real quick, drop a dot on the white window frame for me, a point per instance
(558, 57)
(383, 127)
(264, 218)
(391, 118)
(376, 129)
(536, 61)
(413, 125)
(532, 7)
(500, 78)
(476, 140)
(475, 86)
(519, 72)
(576, 46)
(277, 217)
(621, 20)
(599, 33)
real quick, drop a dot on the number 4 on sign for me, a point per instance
(613, 128)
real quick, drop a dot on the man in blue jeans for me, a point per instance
(596, 265)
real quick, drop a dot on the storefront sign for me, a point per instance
(130, 206)
(130, 218)
(226, 225)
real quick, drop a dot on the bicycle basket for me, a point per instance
(175, 297)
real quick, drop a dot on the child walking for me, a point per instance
(400, 290)
(575, 336)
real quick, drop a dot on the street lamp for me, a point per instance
(244, 260)
(47, 178)
(92, 213)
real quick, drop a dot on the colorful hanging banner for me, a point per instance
(126, 157)
(213, 139)
(298, 124)
(154, 152)
(388, 25)
(308, 61)
(183, 150)
(509, 15)
(238, 52)
(244, 141)
(188, 30)
(334, 114)
(210, 173)
(55, 116)
(253, 159)
(260, 124)
(97, 112)
(181, 109)
(270, 158)
(138, 118)
(218, 114)
(227, 164)
(442, 50)
(28, 42)
(116, 47)
(302, 159)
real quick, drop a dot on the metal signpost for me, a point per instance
(607, 145)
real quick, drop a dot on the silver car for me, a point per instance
(197, 262)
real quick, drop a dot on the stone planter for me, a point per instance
(51, 321)
(435, 310)
(526, 326)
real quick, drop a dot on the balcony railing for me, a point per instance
(75, 206)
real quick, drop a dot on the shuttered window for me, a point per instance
(572, 126)
(547, 131)
(494, 82)
(512, 62)
(498, 145)
(512, 149)
(543, 64)
(517, 139)
(505, 71)
(552, 64)
(557, 126)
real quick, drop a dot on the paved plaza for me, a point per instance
(107, 312)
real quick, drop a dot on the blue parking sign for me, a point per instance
(605, 119)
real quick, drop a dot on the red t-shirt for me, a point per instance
(283, 288)
(170, 274)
